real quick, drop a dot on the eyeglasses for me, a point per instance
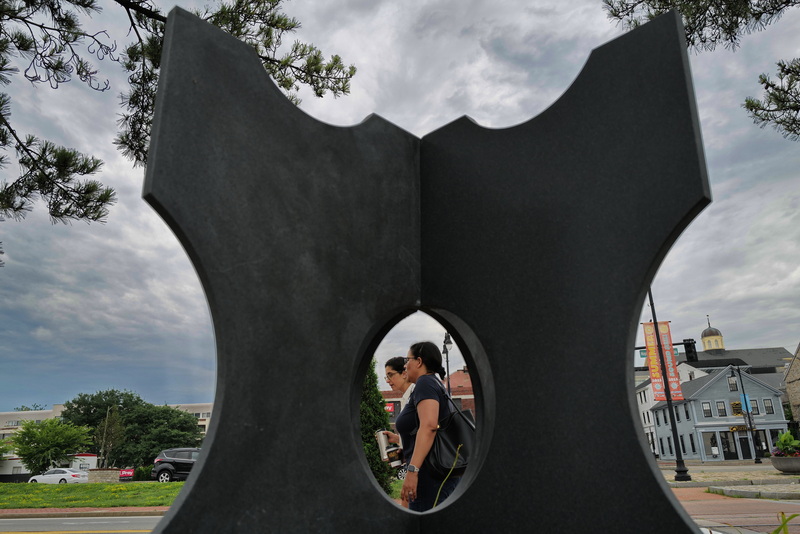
(406, 360)
(391, 375)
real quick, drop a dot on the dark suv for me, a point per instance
(174, 464)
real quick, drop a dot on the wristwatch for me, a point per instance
(412, 468)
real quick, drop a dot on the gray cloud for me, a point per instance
(86, 307)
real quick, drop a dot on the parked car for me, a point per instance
(61, 475)
(174, 464)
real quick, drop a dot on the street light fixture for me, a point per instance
(448, 343)
(748, 417)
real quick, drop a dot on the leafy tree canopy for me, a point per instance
(128, 431)
(90, 409)
(150, 429)
(44, 444)
(5, 447)
(49, 42)
(712, 22)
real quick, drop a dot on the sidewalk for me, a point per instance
(737, 479)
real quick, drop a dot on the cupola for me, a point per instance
(712, 339)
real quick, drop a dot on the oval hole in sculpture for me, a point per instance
(470, 384)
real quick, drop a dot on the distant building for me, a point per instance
(710, 421)
(11, 468)
(711, 424)
(792, 378)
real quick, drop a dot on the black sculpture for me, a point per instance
(311, 241)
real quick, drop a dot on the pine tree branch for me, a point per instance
(138, 8)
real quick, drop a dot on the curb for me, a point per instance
(776, 492)
(753, 482)
(92, 513)
(66, 512)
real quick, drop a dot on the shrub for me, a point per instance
(142, 473)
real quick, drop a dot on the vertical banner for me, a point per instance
(654, 362)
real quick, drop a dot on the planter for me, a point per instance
(786, 464)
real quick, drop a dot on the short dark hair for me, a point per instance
(430, 356)
(397, 363)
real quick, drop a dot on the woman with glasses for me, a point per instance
(417, 425)
(397, 380)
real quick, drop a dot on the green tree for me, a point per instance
(149, 429)
(51, 40)
(109, 435)
(712, 22)
(89, 409)
(44, 444)
(141, 431)
(5, 447)
(374, 418)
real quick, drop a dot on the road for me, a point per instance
(757, 515)
(74, 525)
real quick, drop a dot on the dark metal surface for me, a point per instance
(312, 241)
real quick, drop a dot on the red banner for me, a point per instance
(654, 362)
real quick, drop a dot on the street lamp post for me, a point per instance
(681, 471)
(446, 351)
(748, 417)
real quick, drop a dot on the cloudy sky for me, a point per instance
(118, 305)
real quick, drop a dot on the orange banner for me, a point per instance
(654, 362)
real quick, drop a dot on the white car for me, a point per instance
(61, 475)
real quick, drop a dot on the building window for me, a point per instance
(691, 443)
(716, 343)
(683, 445)
(707, 409)
(686, 411)
(661, 445)
(768, 406)
(648, 417)
(721, 412)
(658, 419)
(206, 415)
(691, 375)
(677, 414)
(669, 444)
(733, 385)
(754, 407)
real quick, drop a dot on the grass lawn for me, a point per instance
(88, 495)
